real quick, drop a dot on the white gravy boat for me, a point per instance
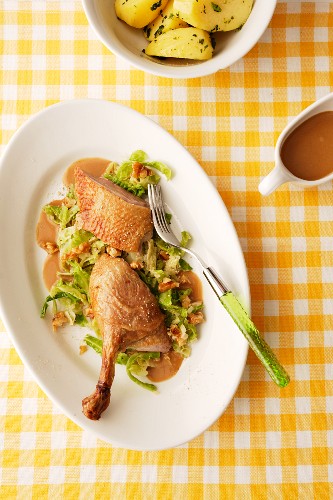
(280, 174)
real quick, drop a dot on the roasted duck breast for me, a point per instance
(128, 315)
(111, 213)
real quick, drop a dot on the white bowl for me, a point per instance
(127, 42)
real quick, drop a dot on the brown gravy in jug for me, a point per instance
(308, 151)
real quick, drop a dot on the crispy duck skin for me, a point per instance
(111, 213)
(128, 315)
(157, 341)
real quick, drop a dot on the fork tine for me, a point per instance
(161, 210)
(156, 205)
(156, 208)
(151, 199)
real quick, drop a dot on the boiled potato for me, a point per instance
(185, 43)
(138, 13)
(167, 20)
(219, 15)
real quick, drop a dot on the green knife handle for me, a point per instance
(249, 330)
(256, 342)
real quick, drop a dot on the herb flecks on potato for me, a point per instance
(185, 43)
(218, 15)
(138, 13)
(167, 20)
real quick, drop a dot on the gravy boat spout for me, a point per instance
(280, 174)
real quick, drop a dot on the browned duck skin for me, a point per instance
(111, 213)
(127, 314)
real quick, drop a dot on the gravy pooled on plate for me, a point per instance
(165, 367)
(93, 166)
(46, 236)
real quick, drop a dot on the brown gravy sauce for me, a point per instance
(308, 150)
(50, 269)
(46, 230)
(93, 166)
(193, 282)
(165, 367)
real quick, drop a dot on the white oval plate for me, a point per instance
(30, 175)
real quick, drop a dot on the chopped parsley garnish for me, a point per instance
(216, 7)
(156, 5)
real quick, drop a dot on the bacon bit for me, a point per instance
(90, 313)
(177, 335)
(136, 265)
(186, 302)
(196, 318)
(59, 319)
(50, 247)
(113, 252)
(175, 330)
(164, 255)
(168, 285)
(68, 202)
(139, 171)
(82, 248)
(83, 349)
(183, 278)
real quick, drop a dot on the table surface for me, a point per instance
(270, 443)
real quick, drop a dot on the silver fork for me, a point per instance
(225, 296)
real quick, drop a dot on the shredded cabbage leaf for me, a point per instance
(123, 174)
(61, 215)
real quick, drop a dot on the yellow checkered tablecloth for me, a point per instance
(270, 443)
